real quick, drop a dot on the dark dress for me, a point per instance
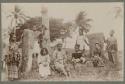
(76, 58)
(13, 61)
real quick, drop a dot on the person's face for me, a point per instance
(59, 47)
(76, 48)
(14, 39)
(80, 32)
(97, 45)
(111, 34)
(44, 51)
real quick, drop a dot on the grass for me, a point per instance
(83, 72)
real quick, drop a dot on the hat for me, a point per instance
(59, 41)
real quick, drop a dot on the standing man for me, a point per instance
(112, 47)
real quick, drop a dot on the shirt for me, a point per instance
(59, 56)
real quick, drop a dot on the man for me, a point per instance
(59, 56)
(97, 58)
(77, 55)
(112, 47)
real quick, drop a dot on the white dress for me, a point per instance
(81, 41)
(44, 69)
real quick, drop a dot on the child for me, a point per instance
(44, 61)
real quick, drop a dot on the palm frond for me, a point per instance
(88, 20)
(9, 16)
(25, 16)
(20, 20)
(17, 9)
(11, 22)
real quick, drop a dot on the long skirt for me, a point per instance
(44, 71)
(12, 72)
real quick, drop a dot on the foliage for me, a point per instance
(55, 27)
(55, 24)
(18, 16)
(82, 21)
(33, 24)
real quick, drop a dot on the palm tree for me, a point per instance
(117, 12)
(82, 21)
(17, 16)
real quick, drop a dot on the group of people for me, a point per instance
(44, 62)
(60, 57)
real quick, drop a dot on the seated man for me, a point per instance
(77, 55)
(97, 60)
(59, 56)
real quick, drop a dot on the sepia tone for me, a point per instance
(62, 41)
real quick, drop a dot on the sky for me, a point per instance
(103, 15)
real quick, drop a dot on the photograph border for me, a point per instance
(56, 82)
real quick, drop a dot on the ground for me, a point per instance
(83, 72)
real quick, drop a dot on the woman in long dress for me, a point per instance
(13, 61)
(44, 61)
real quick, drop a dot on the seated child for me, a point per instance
(44, 61)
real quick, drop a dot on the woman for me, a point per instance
(44, 61)
(13, 60)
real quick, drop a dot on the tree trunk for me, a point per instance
(28, 41)
(45, 22)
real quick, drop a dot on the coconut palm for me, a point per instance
(17, 16)
(82, 21)
(117, 12)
